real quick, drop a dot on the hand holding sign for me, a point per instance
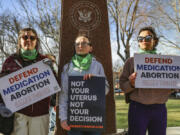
(65, 126)
(5, 112)
(47, 61)
(87, 76)
(132, 78)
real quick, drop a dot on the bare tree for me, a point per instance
(127, 17)
(9, 27)
(44, 15)
(116, 66)
(167, 19)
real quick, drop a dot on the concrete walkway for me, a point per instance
(170, 131)
(173, 131)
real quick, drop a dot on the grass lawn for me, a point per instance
(173, 106)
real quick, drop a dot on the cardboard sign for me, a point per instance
(157, 71)
(86, 104)
(27, 86)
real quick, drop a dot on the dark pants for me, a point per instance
(147, 117)
(76, 132)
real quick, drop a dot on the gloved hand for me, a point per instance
(5, 112)
(48, 62)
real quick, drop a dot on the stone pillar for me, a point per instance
(89, 17)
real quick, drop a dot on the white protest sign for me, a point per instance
(157, 71)
(28, 85)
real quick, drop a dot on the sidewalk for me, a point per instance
(170, 131)
(173, 131)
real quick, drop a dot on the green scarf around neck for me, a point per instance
(28, 54)
(141, 51)
(82, 62)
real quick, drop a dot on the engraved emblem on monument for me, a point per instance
(85, 15)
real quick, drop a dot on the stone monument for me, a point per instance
(88, 17)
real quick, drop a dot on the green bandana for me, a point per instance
(82, 62)
(29, 54)
(147, 52)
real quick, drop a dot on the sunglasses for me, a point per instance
(146, 38)
(32, 38)
(82, 43)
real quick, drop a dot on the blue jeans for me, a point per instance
(76, 132)
(147, 117)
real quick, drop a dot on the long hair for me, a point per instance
(21, 33)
